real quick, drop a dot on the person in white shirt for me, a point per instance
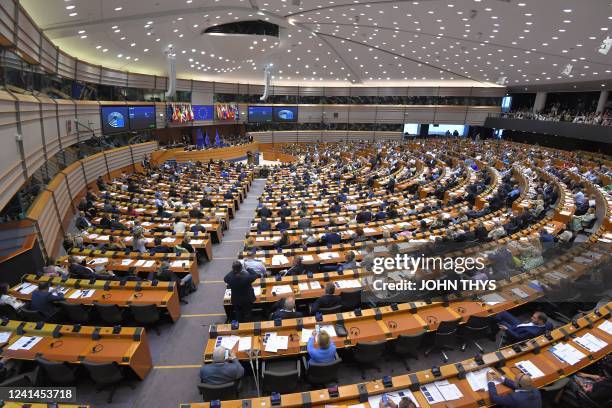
(179, 226)
(6, 299)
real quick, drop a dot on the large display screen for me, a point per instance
(437, 129)
(203, 112)
(506, 104)
(142, 117)
(114, 119)
(226, 111)
(260, 114)
(412, 128)
(285, 114)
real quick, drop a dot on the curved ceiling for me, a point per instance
(337, 42)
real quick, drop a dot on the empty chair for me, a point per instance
(146, 315)
(282, 376)
(444, 338)
(56, 372)
(406, 345)
(350, 299)
(32, 315)
(330, 310)
(322, 374)
(368, 353)
(8, 312)
(104, 375)
(211, 392)
(475, 328)
(22, 380)
(111, 314)
(76, 312)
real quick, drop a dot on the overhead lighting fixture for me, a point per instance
(605, 46)
(73, 14)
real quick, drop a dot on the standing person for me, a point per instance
(243, 296)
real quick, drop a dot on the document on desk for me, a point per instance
(329, 329)
(140, 262)
(259, 239)
(492, 299)
(104, 237)
(149, 264)
(257, 290)
(606, 326)
(197, 241)
(179, 264)
(92, 236)
(98, 261)
(527, 367)
(369, 230)
(279, 260)
(280, 289)
(591, 342)
(431, 393)
(315, 285)
(126, 262)
(270, 342)
(282, 342)
(303, 286)
(168, 240)
(87, 293)
(5, 336)
(244, 343)
(76, 294)
(395, 396)
(328, 255)
(149, 240)
(25, 343)
(229, 342)
(520, 293)
(306, 334)
(478, 379)
(26, 288)
(567, 353)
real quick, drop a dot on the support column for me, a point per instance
(603, 99)
(540, 102)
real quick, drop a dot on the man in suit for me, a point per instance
(42, 300)
(221, 371)
(364, 216)
(243, 296)
(264, 212)
(159, 248)
(116, 223)
(197, 227)
(79, 271)
(263, 225)
(524, 395)
(517, 331)
(332, 237)
(282, 224)
(82, 222)
(206, 202)
(329, 299)
(304, 223)
(287, 310)
(195, 211)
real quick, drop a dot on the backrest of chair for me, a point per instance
(477, 322)
(111, 310)
(211, 392)
(22, 380)
(103, 373)
(333, 309)
(148, 311)
(323, 373)
(447, 327)
(409, 342)
(54, 369)
(75, 311)
(31, 315)
(282, 381)
(8, 312)
(350, 299)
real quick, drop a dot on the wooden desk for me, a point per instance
(163, 294)
(129, 347)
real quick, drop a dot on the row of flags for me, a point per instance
(202, 141)
(180, 112)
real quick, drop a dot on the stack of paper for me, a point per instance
(25, 343)
(440, 391)
(279, 260)
(520, 293)
(244, 343)
(606, 326)
(567, 353)
(478, 379)
(307, 258)
(197, 241)
(149, 264)
(303, 286)
(492, 299)
(274, 342)
(179, 264)
(591, 342)
(229, 342)
(280, 289)
(140, 262)
(527, 367)
(26, 288)
(168, 240)
(315, 285)
(126, 262)
(395, 396)
(5, 336)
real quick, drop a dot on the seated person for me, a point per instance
(282, 224)
(222, 370)
(349, 261)
(596, 387)
(517, 331)
(320, 348)
(284, 241)
(252, 265)
(405, 402)
(42, 300)
(159, 248)
(297, 268)
(331, 238)
(6, 299)
(524, 395)
(329, 299)
(197, 227)
(263, 225)
(287, 310)
(79, 270)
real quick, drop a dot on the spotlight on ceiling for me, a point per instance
(605, 46)
(567, 70)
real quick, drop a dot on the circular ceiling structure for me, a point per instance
(340, 42)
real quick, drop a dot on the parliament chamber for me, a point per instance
(351, 204)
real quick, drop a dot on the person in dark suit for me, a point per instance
(524, 395)
(159, 248)
(364, 216)
(329, 299)
(263, 225)
(222, 370)
(481, 233)
(284, 211)
(82, 222)
(42, 300)
(206, 202)
(195, 212)
(282, 224)
(116, 223)
(332, 237)
(197, 227)
(517, 331)
(264, 212)
(79, 270)
(243, 296)
(287, 310)
(297, 268)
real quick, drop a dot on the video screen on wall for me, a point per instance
(260, 114)
(142, 117)
(203, 112)
(440, 130)
(506, 104)
(412, 128)
(114, 119)
(285, 113)
(226, 111)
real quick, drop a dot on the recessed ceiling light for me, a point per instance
(567, 10)
(73, 14)
(70, 7)
(118, 8)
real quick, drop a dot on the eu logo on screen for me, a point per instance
(285, 114)
(116, 120)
